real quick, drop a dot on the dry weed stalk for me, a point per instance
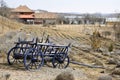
(95, 40)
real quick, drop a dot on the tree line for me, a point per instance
(4, 9)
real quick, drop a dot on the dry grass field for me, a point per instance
(7, 25)
(81, 51)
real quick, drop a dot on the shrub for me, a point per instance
(65, 76)
(106, 33)
(95, 40)
(110, 48)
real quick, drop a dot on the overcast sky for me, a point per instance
(79, 6)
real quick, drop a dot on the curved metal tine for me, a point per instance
(42, 37)
(43, 33)
(69, 44)
(37, 40)
(66, 48)
(47, 39)
(19, 39)
(17, 45)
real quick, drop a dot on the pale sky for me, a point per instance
(79, 6)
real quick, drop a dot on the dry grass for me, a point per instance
(3, 57)
(76, 34)
(95, 40)
(7, 25)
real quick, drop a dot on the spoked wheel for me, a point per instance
(13, 56)
(60, 61)
(33, 60)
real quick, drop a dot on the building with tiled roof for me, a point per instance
(23, 14)
(22, 8)
(26, 15)
(45, 17)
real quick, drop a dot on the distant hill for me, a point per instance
(93, 14)
(39, 10)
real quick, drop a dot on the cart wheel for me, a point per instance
(11, 56)
(60, 61)
(33, 60)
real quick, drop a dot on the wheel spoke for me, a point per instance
(14, 60)
(35, 65)
(31, 65)
(61, 62)
(56, 64)
(62, 65)
(36, 59)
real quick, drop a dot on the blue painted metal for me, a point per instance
(34, 54)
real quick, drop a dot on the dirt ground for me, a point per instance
(80, 51)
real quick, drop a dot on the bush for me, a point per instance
(65, 76)
(106, 33)
(95, 40)
(110, 48)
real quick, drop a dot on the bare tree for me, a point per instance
(60, 19)
(4, 10)
(2, 3)
(87, 18)
(93, 18)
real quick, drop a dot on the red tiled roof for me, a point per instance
(21, 8)
(22, 16)
(46, 15)
(26, 16)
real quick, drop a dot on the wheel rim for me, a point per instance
(33, 60)
(62, 63)
(10, 57)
